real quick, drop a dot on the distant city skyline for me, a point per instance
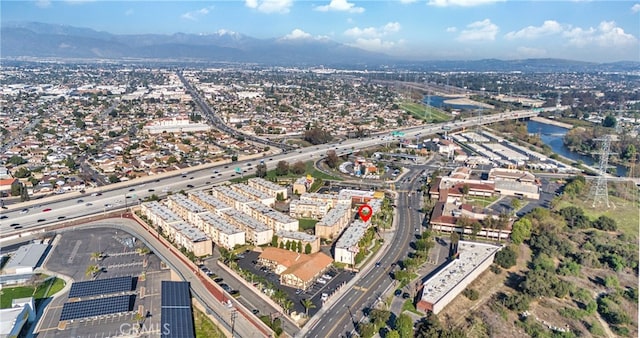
(598, 31)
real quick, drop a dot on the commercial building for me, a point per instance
(268, 187)
(308, 209)
(301, 238)
(220, 231)
(295, 269)
(176, 124)
(347, 246)
(14, 319)
(25, 259)
(334, 222)
(450, 281)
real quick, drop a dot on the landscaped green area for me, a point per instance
(418, 110)
(41, 290)
(271, 173)
(205, 328)
(306, 224)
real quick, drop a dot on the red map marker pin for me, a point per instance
(365, 212)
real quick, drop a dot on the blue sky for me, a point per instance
(601, 31)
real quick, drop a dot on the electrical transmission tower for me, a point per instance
(599, 190)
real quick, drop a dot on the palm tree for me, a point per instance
(308, 304)
(96, 256)
(279, 296)
(287, 304)
(92, 269)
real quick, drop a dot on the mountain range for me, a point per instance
(42, 40)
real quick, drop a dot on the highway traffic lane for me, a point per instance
(353, 301)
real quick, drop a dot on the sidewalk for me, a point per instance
(387, 236)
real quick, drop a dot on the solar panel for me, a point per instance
(177, 323)
(101, 287)
(175, 294)
(176, 314)
(97, 307)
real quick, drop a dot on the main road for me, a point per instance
(375, 281)
(21, 217)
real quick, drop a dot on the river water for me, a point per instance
(552, 136)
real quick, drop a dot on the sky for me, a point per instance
(597, 31)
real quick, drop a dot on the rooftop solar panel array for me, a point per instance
(101, 287)
(176, 314)
(97, 307)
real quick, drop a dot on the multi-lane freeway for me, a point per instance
(72, 205)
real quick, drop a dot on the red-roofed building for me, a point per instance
(296, 270)
(7, 184)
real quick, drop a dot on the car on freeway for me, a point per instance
(41, 220)
(46, 210)
(108, 205)
(24, 211)
(79, 201)
(189, 186)
(255, 311)
(62, 217)
(4, 217)
(132, 189)
(398, 292)
(378, 264)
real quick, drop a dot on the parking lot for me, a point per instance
(72, 255)
(249, 261)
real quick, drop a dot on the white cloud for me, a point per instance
(532, 32)
(297, 34)
(635, 8)
(607, 34)
(451, 29)
(408, 1)
(460, 3)
(530, 52)
(340, 6)
(270, 6)
(194, 15)
(43, 3)
(373, 32)
(129, 12)
(375, 44)
(483, 30)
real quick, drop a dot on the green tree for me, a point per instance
(308, 304)
(609, 121)
(274, 241)
(299, 168)
(332, 159)
(630, 153)
(404, 326)
(605, 223)
(261, 170)
(282, 168)
(506, 257)
(379, 317)
(307, 249)
(392, 334)
(521, 230)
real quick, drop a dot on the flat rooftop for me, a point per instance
(27, 256)
(471, 255)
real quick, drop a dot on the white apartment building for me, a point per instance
(336, 220)
(220, 231)
(332, 200)
(253, 194)
(208, 201)
(185, 207)
(308, 209)
(273, 219)
(347, 246)
(299, 237)
(267, 187)
(256, 232)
